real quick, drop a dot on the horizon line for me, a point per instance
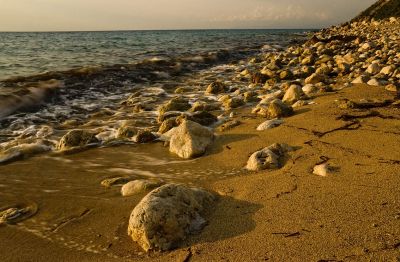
(133, 30)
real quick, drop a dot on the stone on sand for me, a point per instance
(216, 87)
(168, 215)
(190, 139)
(138, 186)
(322, 170)
(268, 157)
(269, 124)
(293, 94)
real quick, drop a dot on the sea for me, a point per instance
(48, 79)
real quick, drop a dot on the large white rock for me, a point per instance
(322, 170)
(268, 157)
(167, 215)
(190, 139)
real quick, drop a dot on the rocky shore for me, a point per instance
(314, 130)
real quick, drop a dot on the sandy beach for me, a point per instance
(334, 196)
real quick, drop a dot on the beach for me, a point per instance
(330, 194)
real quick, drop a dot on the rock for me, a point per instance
(167, 125)
(216, 88)
(144, 136)
(259, 78)
(366, 46)
(286, 75)
(229, 125)
(233, 102)
(293, 94)
(300, 103)
(190, 139)
(387, 70)
(322, 170)
(201, 117)
(168, 215)
(392, 88)
(314, 79)
(267, 158)
(277, 109)
(268, 72)
(126, 132)
(181, 90)
(115, 181)
(309, 89)
(203, 106)
(21, 151)
(16, 214)
(138, 186)
(373, 69)
(308, 60)
(373, 82)
(76, 138)
(269, 124)
(250, 96)
(360, 80)
(175, 104)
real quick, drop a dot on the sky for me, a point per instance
(83, 15)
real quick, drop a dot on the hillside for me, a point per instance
(380, 10)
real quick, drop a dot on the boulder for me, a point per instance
(268, 158)
(216, 87)
(167, 125)
(387, 70)
(168, 215)
(373, 82)
(309, 89)
(76, 138)
(138, 186)
(293, 94)
(190, 139)
(322, 170)
(286, 75)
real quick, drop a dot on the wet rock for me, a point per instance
(216, 88)
(126, 132)
(203, 106)
(190, 139)
(203, 118)
(175, 104)
(269, 124)
(115, 181)
(144, 136)
(250, 96)
(181, 90)
(233, 102)
(168, 215)
(15, 214)
(167, 125)
(76, 138)
(138, 186)
(268, 158)
(293, 94)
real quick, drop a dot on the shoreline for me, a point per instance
(280, 214)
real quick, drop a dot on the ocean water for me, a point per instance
(24, 54)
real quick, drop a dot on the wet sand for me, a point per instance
(278, 215)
